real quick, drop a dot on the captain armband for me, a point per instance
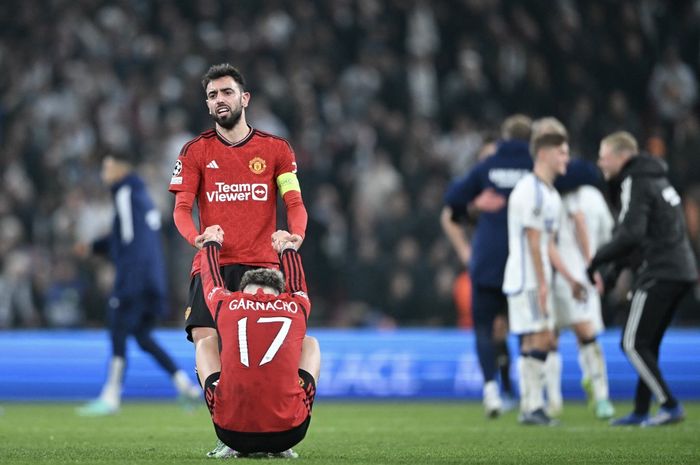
(287, 182)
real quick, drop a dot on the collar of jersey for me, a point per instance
(235, 144)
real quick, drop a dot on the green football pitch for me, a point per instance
(346, 433)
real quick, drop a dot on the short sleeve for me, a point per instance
(286, 161)
(571, 203)
(530, 202)
(286, 170)
(186, 173)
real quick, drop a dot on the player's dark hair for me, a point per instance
(264, 277)
(517, 127)
(221, 70)
(548, 139)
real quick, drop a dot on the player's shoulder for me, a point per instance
(527, 183)
(197, 142)
(271, 138)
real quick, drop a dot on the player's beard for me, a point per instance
(230, 120)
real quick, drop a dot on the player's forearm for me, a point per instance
(182, 216)
(533, 243)
(297, 217)
(558, 263)
(293, 270)
(210, 274)
(455, 234)
(581, 231)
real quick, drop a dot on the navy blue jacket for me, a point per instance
(135, 242)
(500, 172)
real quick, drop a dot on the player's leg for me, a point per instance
(552, 377)
(593, 366)
(535, 350)
(311, 357)
(650, 312)
(500, 337)
(109, 400)
(309, 367)
(670, 410)
(485, 308)
(527, 320)
(201, 330)
(143, 333)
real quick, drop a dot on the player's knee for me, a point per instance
(145, 342)
(200, 333)
(311, 345)
(311, 357)
(630, 346)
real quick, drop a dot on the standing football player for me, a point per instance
(533, 217)
(235, 173)
(139, 297)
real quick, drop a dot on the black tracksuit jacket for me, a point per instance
(651, 220)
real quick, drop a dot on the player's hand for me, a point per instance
(212, 233)
(590, 272)
(579, 291)
(280, 240)
(296, 239)
(542, 291)
(599, 283)
(489, 201)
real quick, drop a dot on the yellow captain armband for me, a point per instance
(287, 182)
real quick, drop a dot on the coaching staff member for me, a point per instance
(651, 219)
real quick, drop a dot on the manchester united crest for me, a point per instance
(257, 165)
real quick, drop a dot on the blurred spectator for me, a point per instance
(383, 102)
(673, 86)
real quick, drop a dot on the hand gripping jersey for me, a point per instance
(236, 186)
(261, 337)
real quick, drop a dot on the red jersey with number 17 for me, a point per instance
(236, 186)
(259, 390)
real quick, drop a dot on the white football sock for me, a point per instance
(533, 379)
(592, 357)
(112, 390)
(552, 375)
(522, 385)
(184, 385)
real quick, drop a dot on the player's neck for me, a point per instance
(237, 133)
(544, 174)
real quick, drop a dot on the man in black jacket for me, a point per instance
(650, 221)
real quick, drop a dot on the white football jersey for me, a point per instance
(599, 223)
(532, 204)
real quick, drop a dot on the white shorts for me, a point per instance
(569, 311)
(524, 314)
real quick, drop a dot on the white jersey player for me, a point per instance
(586, 222)
(584, 207)
(534, 209)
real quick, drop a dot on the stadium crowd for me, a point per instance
(383, 101)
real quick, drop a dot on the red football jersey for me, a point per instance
(261, 337)
(236, 186)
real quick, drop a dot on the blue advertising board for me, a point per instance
(399, 364)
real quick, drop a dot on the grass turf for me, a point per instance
(346, 433)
